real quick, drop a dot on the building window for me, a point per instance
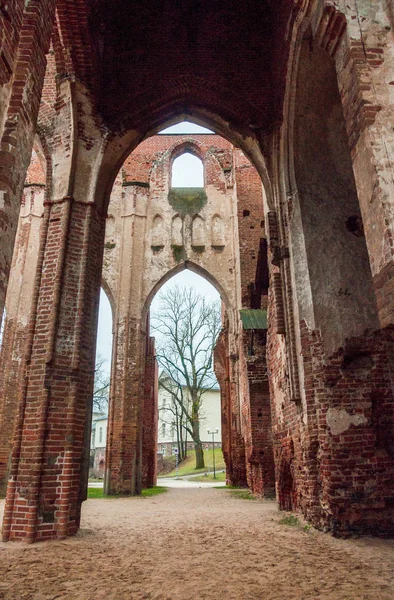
(100, 435)
(187, 171)
(163, 429)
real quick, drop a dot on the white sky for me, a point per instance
(188, 278)
(187, 172)
(186, 127)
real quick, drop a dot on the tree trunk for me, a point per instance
(199, 455)
(198, 446)
(180, 440)
(185, 445)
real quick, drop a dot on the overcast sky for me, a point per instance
(187, 173)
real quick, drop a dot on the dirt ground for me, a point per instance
(195, 544)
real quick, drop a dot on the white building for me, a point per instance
(98, 443)
(210, 418)
(167, 435)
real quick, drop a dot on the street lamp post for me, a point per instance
(213, 432)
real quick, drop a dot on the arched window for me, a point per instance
(2, 323)
(187, 172)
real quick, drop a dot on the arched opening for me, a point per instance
(185, 321)
(187, 172)
(102, 383)
(157, 232)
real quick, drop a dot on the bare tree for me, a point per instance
(101, 386)
(188, 327)
(172, 414)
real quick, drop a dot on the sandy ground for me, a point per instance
(195, 544)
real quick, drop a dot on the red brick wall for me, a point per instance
(256, 409)
(51, 446)
(150, 417)
(250, 223)
(24, 46)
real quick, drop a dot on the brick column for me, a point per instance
(123, 460)
(233, 445)
(124, 441)
(150, 416)
(17, 129)
(48, 478)
(260, 464)
(18, 307)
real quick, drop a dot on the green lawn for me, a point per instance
(242, 494)
(154, 491)
(96, 493)
(147, 493)
(187, 467)
(209, 477)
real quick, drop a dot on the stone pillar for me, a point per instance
(221, 365)
(18, 308)
(150, 416)
(48, 478)
(260, 465)
(365, 66)
(233, 444)
(124, 441)
(18, 123)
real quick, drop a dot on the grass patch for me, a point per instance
(242, 494)
(147, 493)
(209, 477)
(96, 493)
(154, 491)
(290, 520)
(187, 466)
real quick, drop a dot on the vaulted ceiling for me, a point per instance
(152, 60)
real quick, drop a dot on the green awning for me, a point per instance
(254, 319)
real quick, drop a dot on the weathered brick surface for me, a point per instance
(319, 132)
(18, 307)
(233, 443)
(24, 55)
(48, 468)
(150, 417)
(365, 65)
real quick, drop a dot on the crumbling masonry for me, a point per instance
(296, 216)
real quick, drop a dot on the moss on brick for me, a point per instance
(187, 201)
(178, 253)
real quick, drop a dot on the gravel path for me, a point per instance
(194, 544)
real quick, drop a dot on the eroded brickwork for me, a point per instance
(305, 90)
(25, 43)
(18, 308)
(150, 417)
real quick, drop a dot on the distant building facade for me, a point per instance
(98, 442)
(167, 433)
(210, 419)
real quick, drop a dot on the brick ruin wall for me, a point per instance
(142, 195)
(329, 346)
